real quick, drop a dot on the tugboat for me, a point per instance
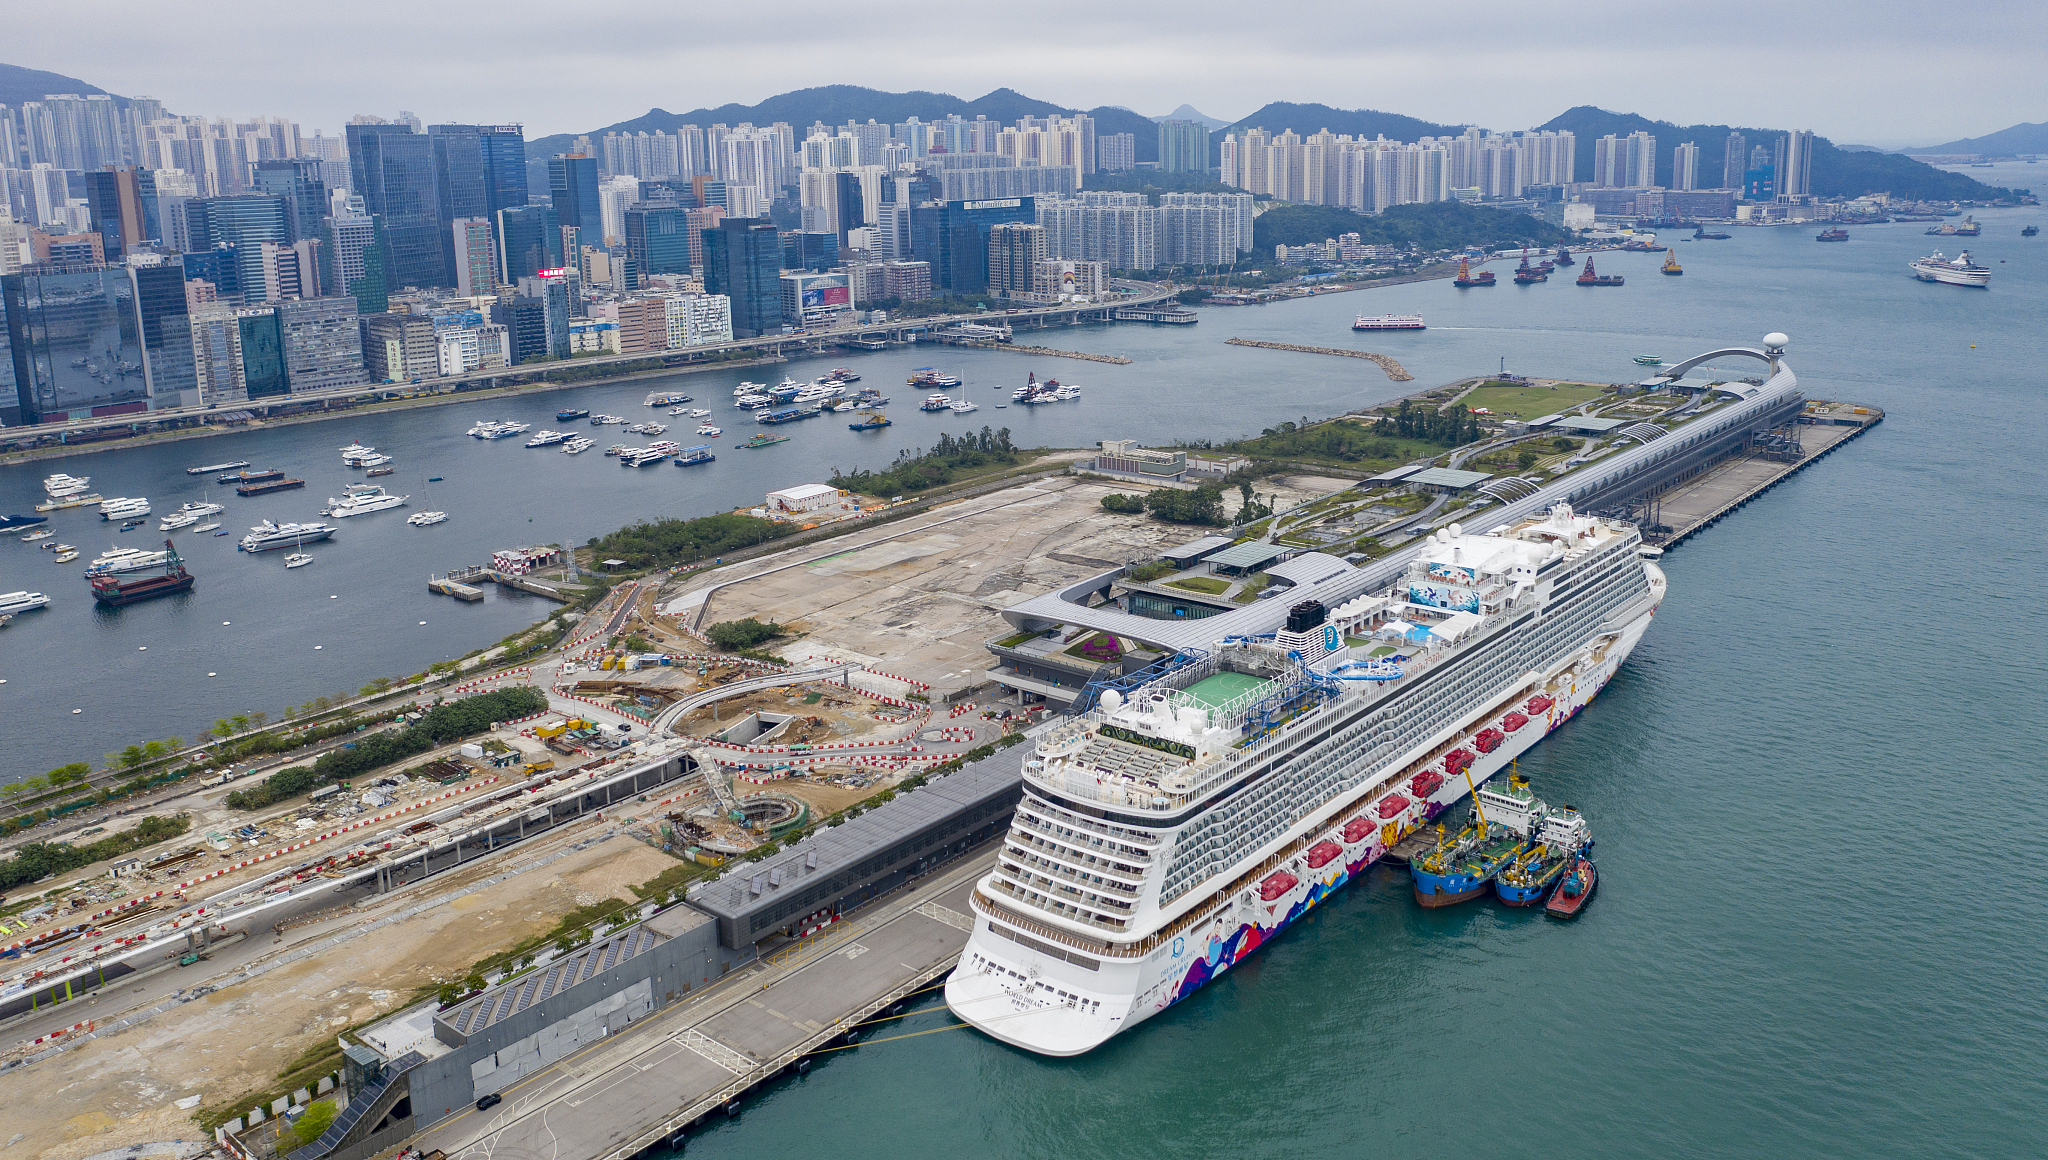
(1575, 891)
(1588, 278)
(1467, 278)
(1833, 234)
(1700, 234)
(1671, 265)
(1564, 257)
(1460, 868)
(1527, 275)
(110, 589)
(1526, 880)
(870, 421)
(2030, 231)
(568, 413)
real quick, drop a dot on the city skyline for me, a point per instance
(323, 72)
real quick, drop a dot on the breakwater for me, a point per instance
(1112, 359)
(1395, 370)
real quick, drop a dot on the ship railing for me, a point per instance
(1081, 894)
(1083, 859)
(1085, 879)
(1017, 891)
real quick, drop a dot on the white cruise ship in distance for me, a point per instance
(267, 536)
(1389, 322)
(1166, 834)
(361, 499)
(1957, 271)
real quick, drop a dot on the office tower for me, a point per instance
(1734, 162)
(1014, 251)
(123, 209)
(398, 347)
(216, 338)
(323, 343)
(220, 270)
(525, 323)
(300, 183)
(392, 167)
(554, 295)
(743, 261)
(1685, 166)
(614, 194)
(1793, 164)
(695, 222)
(82, 322)
(242, 222)
(174, 187)
(352, 252)
(262, 346)
(572, 178)
(1183, 147)
(815, 250)
(290, 271)
(475, 256)
(166, 334)
(459, 191)
(529, 240)
(658, 237)
(953, 237)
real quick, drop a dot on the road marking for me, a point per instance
(731, 1059)
(777, 1014)
(945, 914)
(855, 951)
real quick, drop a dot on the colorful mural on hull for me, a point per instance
(1223, 953)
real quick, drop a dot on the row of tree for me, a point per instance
(1452, 427)
(40, 859)
(653, 544)
(920, 470)
(450, 721)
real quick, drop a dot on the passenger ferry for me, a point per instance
(1169, 831)
(1389, 322)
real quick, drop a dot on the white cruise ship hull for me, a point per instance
(1024, 988)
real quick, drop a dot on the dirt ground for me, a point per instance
(120, 1090)
(846, 716)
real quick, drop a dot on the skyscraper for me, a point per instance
(475, 257)
(1685, 166)
(743, 261)
(1735, 162)
(1014, 251)
(572, 178)
(1183, 147)
(392, 168)
(529, 240)
(166, 333)
(300, 183)
(76, 322)
(658, 237)
(243, 222)
(1793, 164)
(352, 256)
(323, 345)
(122, 204)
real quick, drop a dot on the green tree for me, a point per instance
(738, 634)
(66, 774)
(154, 751)
(221, 728)
(1203, 505)
(132, 757)
(1129, 504)
(1526, 459)
(376, 686)
(240, 721)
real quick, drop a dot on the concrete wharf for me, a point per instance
(1693, 505)
(649, 1083)
(1395, 370)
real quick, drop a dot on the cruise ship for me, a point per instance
(267, 536)
(1957, 271)
(361, 499)
(1174, 828)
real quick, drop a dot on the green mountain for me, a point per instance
(2021, 138)
(1427, 226)
(18, 84)
(1836, 172)
(836, 104)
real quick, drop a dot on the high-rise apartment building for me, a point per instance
(1734, 162)
(217, 354)
(1685, 166)
(1183, 146)
(399, 347)
(1625, 162)
(1116, 152)
(743, 261)
(1793, 164)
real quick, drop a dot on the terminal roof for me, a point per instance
(1447, 477)
(1249, 555)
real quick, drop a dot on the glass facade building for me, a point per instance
(573, 182)
(300, 184)
(393, 169)
(743, 261)
(166, 334)
(74, 345)
(658, 238)
(953, 237)
(241, 222)
(263, 373)
(528, 241)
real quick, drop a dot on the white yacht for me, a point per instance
(124, 508)
(361, 499)
(423, 519)
(38, 534)
(577, 446)
(545, 438)
(172, 521)
(297, 560)
(61, 484)
(648, 428)
(354, 456)
(377, 460)
(356, 448)
(750, 389)
(13, 602)
(699, 413)
(750, 401)
(936, 403)
(268, 535)
(121, 560)
(962, 406)
(197, 510)
(708, 429)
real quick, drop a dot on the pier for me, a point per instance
(1395, 370)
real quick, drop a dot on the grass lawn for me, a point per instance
(1208, 584)
(1014, 641)
(1515, 401)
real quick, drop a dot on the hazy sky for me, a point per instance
(1883, 72)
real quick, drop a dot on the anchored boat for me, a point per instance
(108, 588)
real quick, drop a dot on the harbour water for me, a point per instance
(1812, 937)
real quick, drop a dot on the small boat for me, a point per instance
(1835, 234)
(763, 440)
(2030, 231)
(1649, 360)
(691, 456)
(252, 476)
(172, 521)
(1526, 881)
(568, 413)
(602, 420)
(1671, 265)
(433, 479)
(870, 421)
(936, 403)
(577, 446)
(54, 504)
(423, 519)
(356, 448)
(963, 406)
(1564, 257)
(374, 472)
(13, 602)
(709, 430)
(932, 377)
(67, 554)
(230, 466)
(297, 560)
(206, 528)
(1575, 891)
(38, 534)
(377, 460)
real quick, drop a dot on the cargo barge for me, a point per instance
(249, 489)
(112, 590)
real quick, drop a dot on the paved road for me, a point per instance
(605, 1099)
